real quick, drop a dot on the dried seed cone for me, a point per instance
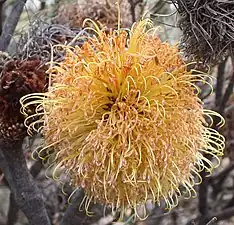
(125, 121)
(18, 78)
(207, 28)
(40, 36)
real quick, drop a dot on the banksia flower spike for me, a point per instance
(208, 29)
(124, 119)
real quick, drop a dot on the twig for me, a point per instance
(157, 7)
(26, 193)
(12, 212)
(73, 208)
(43, 5)
(1, 14)
(227, 93)
(219, 84)
(203, 191)
(203, 188)
(174, 217)
(223, 215)
(11, 23)
(133, 8)
(218, 180)
(230, 203)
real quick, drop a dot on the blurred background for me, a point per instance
(215, 196)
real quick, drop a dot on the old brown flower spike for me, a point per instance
(208, 29)
(25, 73)
(39, 38)
(104, 12)
(18, 78)
(124, 120)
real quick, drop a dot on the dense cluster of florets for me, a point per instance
(124, 120)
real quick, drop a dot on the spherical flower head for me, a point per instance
(124, 119)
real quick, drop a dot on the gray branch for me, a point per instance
(72, 208)
(11, 23)
(26, 193)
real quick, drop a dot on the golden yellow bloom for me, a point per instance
(124, 119)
